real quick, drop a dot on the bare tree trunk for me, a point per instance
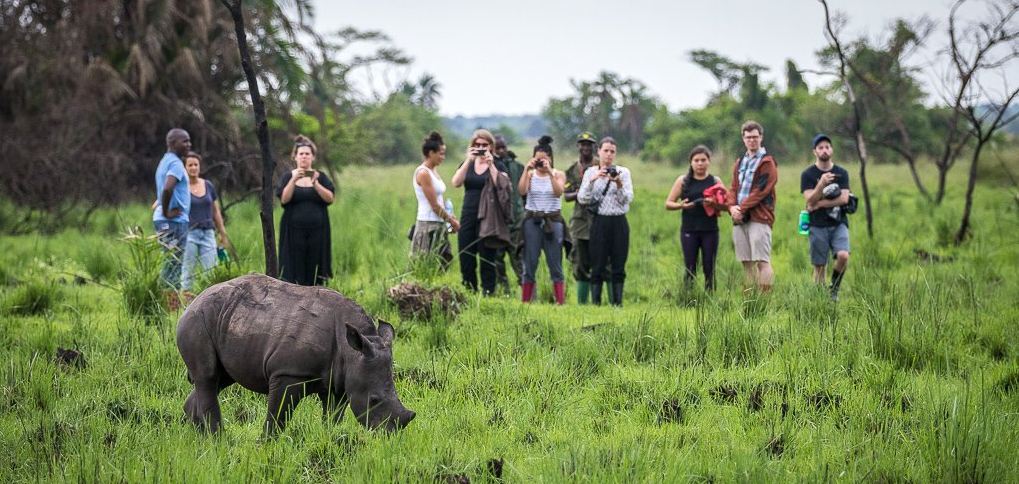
(861, 146)
(262, 131)
(964, 232)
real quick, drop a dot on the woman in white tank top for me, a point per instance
(543, 227)
(430, 237)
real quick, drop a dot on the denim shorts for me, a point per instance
(827, 240)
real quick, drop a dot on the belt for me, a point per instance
(547, 217)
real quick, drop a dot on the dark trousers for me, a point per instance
(302, 262)
(704, 244)
(609, 247)
(516, 235)
(471, 247)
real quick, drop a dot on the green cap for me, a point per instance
(586, 136)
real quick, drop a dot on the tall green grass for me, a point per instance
(911, 377)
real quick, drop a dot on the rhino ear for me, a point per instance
(386, 331)
(357, 341)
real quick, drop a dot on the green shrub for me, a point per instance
(99, 262)
(140, 284)
(31, 298)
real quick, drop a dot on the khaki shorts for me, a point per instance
(753, 242)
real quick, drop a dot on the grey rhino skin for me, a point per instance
(288, 341)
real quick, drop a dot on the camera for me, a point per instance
(540, 163)
(831, 191)
(612, 172)
(480, 152)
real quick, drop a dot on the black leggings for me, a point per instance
(609, 247)
(470, 247)
(705, 243)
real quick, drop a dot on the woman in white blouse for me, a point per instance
(608, 191)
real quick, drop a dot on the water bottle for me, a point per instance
(804, 225)
(449, 210)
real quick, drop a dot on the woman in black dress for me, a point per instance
(305, 250)
(477, 170)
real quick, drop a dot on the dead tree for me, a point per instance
(978, 51)
(262, 131)
(861, 145)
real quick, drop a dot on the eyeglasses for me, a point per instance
(480, 145)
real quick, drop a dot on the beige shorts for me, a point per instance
(753, 241)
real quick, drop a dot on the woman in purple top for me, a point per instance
(206, 223)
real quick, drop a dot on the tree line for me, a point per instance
(872, 99)
(88, 89)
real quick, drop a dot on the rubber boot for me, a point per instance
(616, 296)
(583, 289)
(559, 288)
(596, 293)
(527, 292)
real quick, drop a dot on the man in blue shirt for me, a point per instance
(170, 217)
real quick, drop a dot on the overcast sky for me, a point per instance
(511, 57)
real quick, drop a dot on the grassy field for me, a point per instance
(913, 376)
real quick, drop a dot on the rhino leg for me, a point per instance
(202, 406)
(206, 374)
(285, 392)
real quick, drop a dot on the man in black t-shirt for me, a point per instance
(825, 188)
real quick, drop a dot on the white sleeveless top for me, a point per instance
(540, 197)
(425, 212)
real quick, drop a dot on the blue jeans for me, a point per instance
(172, 236)
(200, 248)
(537, 240)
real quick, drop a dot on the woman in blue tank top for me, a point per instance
(206, 226)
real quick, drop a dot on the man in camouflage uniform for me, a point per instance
(580, 222)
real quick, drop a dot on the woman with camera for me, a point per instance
(698, 232)
(544, 228)
(607, 191)
(305, 251)
(430, 235)
(484, 216)
(206, 226)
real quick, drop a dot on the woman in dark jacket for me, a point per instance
(305, 250)
(476, 172)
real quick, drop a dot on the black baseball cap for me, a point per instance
(819, 138)
(585, 137)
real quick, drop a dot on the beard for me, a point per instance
(825, 157)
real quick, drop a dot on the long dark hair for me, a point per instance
(432, 143)
(697, 150)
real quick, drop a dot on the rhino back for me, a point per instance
(271, 327)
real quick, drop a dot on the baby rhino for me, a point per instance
(288, 341)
